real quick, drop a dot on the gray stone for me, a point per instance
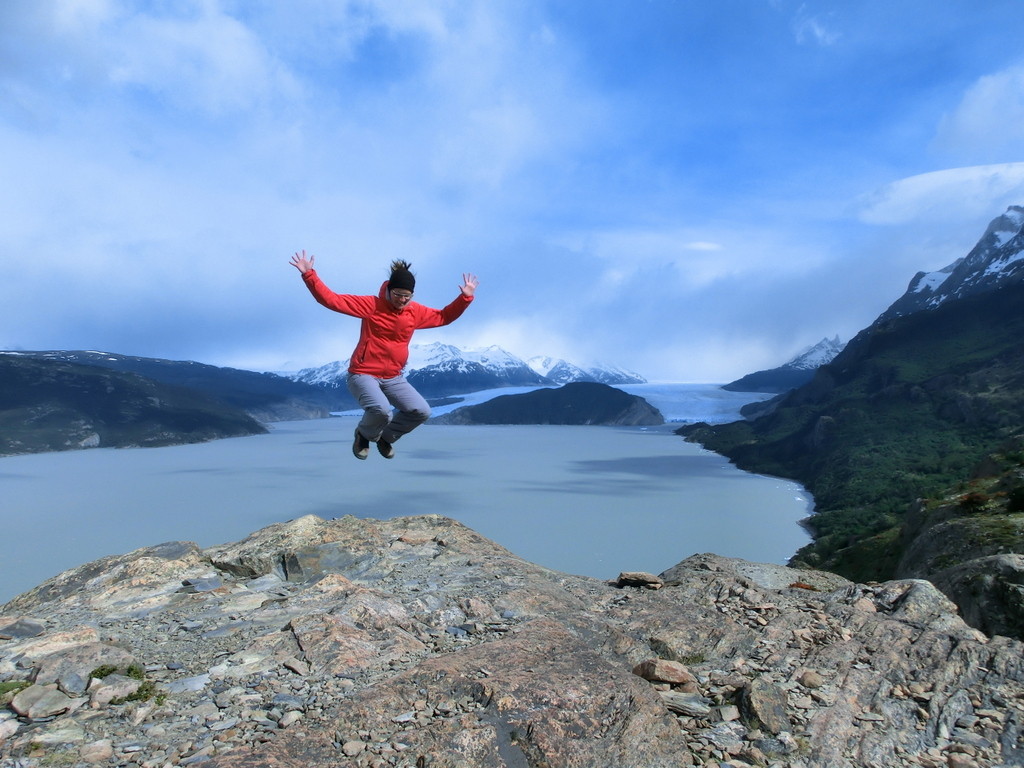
(810, 679)
(289, 718)
(7, 729)
(663, 671)
(639, 579)
(38, 702)
(102, 692)
(97, 751)
(297, 666)
(728, 713)
(59, 733)
(207, 584)
(353, 748)
(288, 702)
(21, 629)
(767, 704)
(727, 736)
(691, 704)
(71, 667)
(195, 683)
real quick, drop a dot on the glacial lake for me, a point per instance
(586, 500)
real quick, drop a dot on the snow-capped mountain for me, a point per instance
(439, 370)
(329, 376)
(790, 375)
(816, 356)
(422, 356)
(558, 371)
(563, 372)
(605, 373)
(996, 260)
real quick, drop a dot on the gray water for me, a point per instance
(587, 500)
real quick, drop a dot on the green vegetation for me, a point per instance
(13, 686)
(101, 672)
(145, 692)
(907, 410)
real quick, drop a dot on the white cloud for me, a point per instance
(957, 195)
(208, 60)
(683, 259)
(75, 16)
(812, 29)
(988, 123)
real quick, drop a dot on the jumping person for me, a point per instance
(375, 376)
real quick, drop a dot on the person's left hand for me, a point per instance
(469, 284)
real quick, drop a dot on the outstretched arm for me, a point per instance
(301, 263)
(469, 284)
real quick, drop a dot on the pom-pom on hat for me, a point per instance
(401, 278)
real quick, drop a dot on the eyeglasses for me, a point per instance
(401, 295)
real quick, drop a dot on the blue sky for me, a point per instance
(693, 189)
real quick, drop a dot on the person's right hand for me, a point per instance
(301, 263)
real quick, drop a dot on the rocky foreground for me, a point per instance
(417, 642)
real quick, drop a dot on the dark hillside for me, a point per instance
(264, 396)
(49, 405)
(910, 407)
(774, 380)
(574, 403)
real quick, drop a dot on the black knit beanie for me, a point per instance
(401, 278)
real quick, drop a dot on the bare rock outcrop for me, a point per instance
(416, 642)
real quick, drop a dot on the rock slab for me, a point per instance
(417, 642)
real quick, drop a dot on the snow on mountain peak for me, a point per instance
(996, 260)
(494, 363)
(424, 355)
(817, 355)
(1007, 226)
(931, 281)
(492, 357)
(542, 364)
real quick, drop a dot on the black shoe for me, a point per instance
(386, 449)
(361, 446)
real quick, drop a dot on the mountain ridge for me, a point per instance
(56, 405)
(442, 370)
(264, 396)
(922, 404)
(996, 260)
(792, 374)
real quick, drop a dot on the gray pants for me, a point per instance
(376, 396)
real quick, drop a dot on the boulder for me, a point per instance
(38, 702)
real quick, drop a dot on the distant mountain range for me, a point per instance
(563, 372)
(920, 411)
(441, 370)
(67, 399)
(791, 375)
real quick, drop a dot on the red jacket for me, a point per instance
(384, 336)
